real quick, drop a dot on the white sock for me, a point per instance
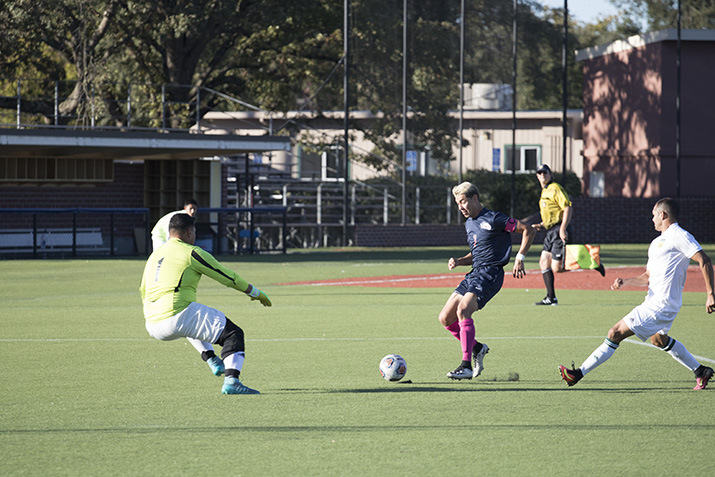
(234, 361)
(599, 356)
(200, 346)
(680, 353)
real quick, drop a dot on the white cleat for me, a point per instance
(478, 358)
(460, 373)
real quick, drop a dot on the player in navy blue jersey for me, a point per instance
(489, 238)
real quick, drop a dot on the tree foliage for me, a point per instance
(284, 56)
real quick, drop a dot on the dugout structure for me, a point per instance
(102, 232)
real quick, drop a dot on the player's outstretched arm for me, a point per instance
(706, 267)
(257, 294)
(527, 237)
(455, 262)
(640, 280)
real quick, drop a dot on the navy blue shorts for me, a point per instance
(483, 282)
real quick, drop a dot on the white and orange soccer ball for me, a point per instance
(393, 367)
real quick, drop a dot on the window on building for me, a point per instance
(528, 158)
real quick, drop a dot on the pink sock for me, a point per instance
(454, 329)
(466, 337)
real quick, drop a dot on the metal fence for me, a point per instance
(97, 232)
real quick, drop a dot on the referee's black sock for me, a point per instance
(548, 275)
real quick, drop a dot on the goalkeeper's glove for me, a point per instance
(257, 294)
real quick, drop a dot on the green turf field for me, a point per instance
(86, 391)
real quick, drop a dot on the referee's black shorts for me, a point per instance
(554, 244)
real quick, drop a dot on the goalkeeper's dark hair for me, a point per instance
(191, 202)
(182, 222)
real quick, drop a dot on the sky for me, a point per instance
(586, 11)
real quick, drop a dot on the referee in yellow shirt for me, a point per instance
(556, 212)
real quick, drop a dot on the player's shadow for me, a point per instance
(492, 386)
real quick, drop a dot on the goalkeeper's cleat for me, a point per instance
(216, 365)
(600, 269)
(234, 386)
(478, 352)
(461, 372)
(571, 376)
(702, 376)
(548, 301)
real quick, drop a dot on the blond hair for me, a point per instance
(466, 189)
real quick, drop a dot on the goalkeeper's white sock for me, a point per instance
(599, 356)
(234, 361)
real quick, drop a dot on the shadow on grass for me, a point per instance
(491, 386)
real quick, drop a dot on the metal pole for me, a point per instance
(513, 114)
(129, 105)
(19, 105)
(417, 204)
(92, 105)
(449, 205)
(564, 70)
(677, 110)
(198, 110)
(163, 107)
(404, 111)
(111, 234)
(461, 90)
(385, 206)
(57, 100)
(346, 119)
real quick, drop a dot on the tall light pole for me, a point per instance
(346, 119)
(461, 89)
(404, 112)
(513, 113)
(677, 110)
(565, 87)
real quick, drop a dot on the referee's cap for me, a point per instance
(543, 168)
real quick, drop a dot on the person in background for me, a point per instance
(556, 212)
(160, 232)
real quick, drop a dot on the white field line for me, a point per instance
(383, 280)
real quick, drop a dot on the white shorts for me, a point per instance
(195, 321)
(645, 322)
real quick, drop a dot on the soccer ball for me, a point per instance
(393, 367)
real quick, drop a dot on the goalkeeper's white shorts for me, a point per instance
(195, 321)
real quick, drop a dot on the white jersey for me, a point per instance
(160, 232)
(668, 259)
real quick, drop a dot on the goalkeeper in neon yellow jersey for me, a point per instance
(168, 291)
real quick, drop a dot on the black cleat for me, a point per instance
(548, 301)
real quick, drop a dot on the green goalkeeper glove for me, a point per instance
(263, 298)
(257, 294)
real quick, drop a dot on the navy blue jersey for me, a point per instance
(489, 237)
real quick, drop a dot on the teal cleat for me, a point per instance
(216, 365)
(234, 386)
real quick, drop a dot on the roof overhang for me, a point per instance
(131, 145)
(639, 41)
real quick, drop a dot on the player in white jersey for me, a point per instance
(160, 232)
(668, 258)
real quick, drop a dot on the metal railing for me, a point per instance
(113, 106)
